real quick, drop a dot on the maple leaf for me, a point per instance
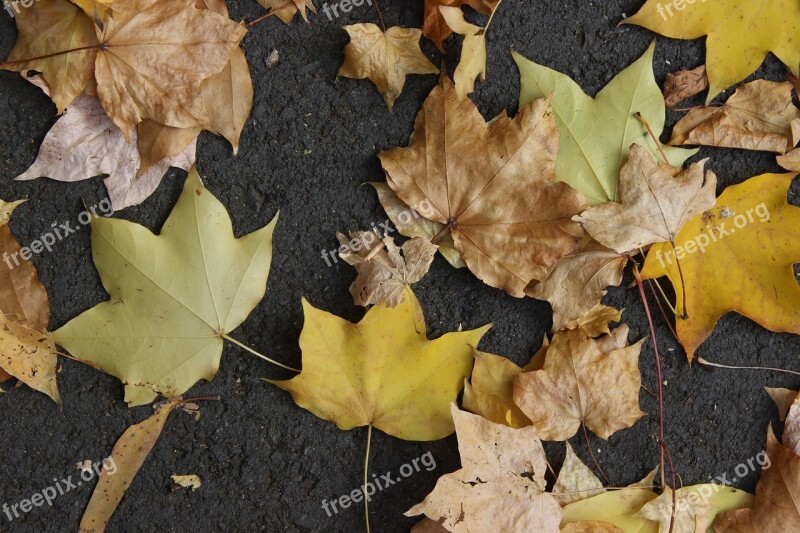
(174, 297)
(655, 203)
(287, 9)
(752, 235)
(384, 58)
(55, 26)
(683, 84)
(500, 485)
(410, 223)
(85, 143)
(759, 116)
(493, 186)
(596, 133)
(576, 282)
(28, 352)
(119, 469)
(435, 26)
(580, 383)
(777, 501)
(740, 34)
(155, 56)
(382, 371)
(489, 392)
(384, 274)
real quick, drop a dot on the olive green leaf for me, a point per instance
(596, 133)
(174, 297)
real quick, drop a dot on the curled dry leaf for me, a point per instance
(173, 296)
(783, 399)
(752, 235)
(382, 371)
(581, 382)
(287, 9)
(500, 485)
(575, 481)
(383, 273)
(411, 222)
(55, 26)
(655, 203)
(576, 282)
(384, 58)
(684, 84)
(489, 392)
(436, 28)
(128, 456)
(85, 143)
(596, 133)
(472, 64)
(595, 322)
(777, 501)
(492, 185)
(759, 116)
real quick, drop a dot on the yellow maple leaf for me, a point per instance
(740, 34)
(382, 371)
(737, 256)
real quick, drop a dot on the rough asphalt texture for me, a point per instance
(267, 464)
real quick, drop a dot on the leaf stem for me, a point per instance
(718, 365)
(48, 56)
(366, 472)
(591, 452)
(268, 15)
(264, 357)
(380, 16)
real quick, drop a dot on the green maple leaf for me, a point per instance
(174, 297)
(596, 133)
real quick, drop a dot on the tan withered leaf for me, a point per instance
(575, 481)
(777, 502)
(683, 84)
(580, 382)
(791, 430)
(28, 352)
(384, 58)
(595, 322)
(127, 458)
(654, 205)
(435, 26)
(576, 282)
(383, 272)
(760, 115)
(790, 160)
(411, 222)
(500, 484)
(287, 9)
(783, 399)
(154, 58)
(56, 26)
(494, 185)
(85, 143)
(156, 142)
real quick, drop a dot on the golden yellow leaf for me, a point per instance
(654, 203)
(738, 257)
(384, 58)
(29, 355)
(382, 371)
(490, 389)
(759, 116)
(493, 185)
(500, 484)
(581, 383)
(740, 34)
(472, 64)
